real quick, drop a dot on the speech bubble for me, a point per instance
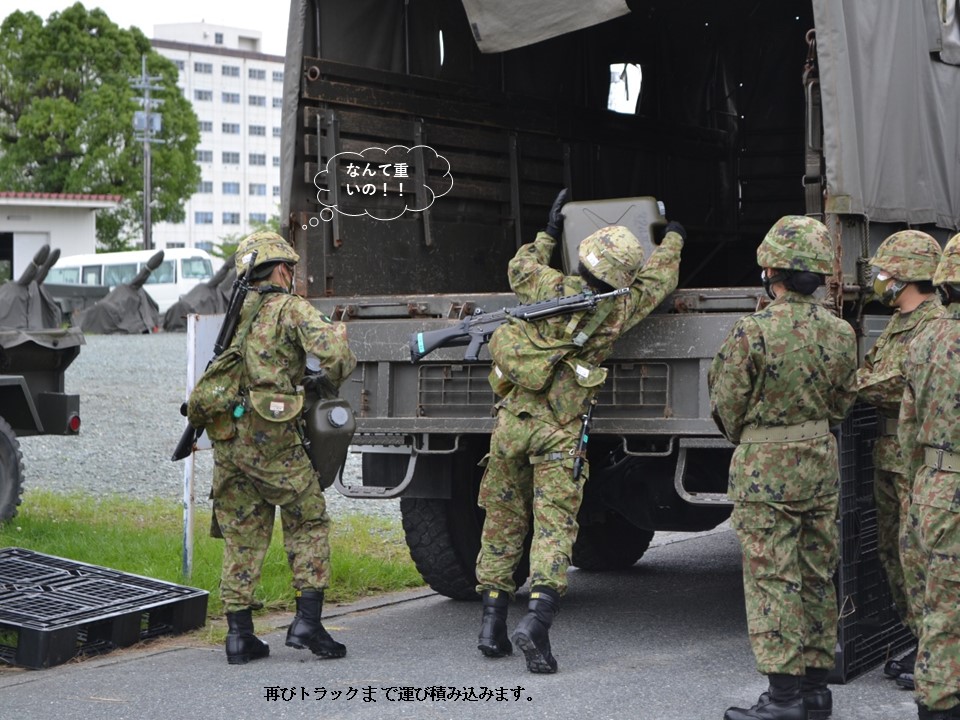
(376, 173)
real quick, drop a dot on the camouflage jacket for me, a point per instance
(790, 363)
(286, 329)
(930, 412)
(532, 279)
(880, 381)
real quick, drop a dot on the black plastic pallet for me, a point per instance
(53, 609)
(870, 630)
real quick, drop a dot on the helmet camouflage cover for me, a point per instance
(948, 270)
(796, 242)
(908, 255)
(270, 248)
(612, 254)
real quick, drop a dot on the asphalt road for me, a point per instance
(665, 640)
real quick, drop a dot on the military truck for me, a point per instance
(746, 111)
(32, 398)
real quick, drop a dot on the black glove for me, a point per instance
(674, 226)
(555, 219)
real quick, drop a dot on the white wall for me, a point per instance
(71, 229)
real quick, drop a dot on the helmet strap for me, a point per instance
(768, 282)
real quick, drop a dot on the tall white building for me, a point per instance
(236, 92)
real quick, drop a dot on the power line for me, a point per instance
(146, 125)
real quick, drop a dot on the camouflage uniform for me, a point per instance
(908, 255)
(529, 470)
(264, 465)
(930, 422)
(792, 363)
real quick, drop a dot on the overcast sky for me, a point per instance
(269, 18)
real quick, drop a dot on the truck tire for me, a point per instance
(444, 535)
(11, 472)
(614, 544)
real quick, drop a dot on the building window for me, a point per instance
(258, 130)
(276, 131)
(180, 65)
(204, 95)
(231, 218)
(206, 245)
(203, 68)
(276, 161)
(230, 158)
(276, 191)
(257, 74)
(231, 188)
(257, 100)
(257, 159)
(203, 218)
(206, 126)
(230, 128)
(258, 189)
(278, 75)
(278, 102)
(204, 155)
(205, 186)
(230, 70)
(218, 38)
(231, 98)
(255, 218)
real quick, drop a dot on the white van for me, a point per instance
(181, 269)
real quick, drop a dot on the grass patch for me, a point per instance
(368, 554)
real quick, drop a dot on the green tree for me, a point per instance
(66, 118)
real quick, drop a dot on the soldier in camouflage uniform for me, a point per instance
(529, 474)
(929, 432)
(904, 265)
(260, 463)
(782, 377)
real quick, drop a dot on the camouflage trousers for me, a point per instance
(245, 497)
(790, 553)
(529, 478)
(937, 673)
(897, 546)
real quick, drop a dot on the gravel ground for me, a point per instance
(131, 388)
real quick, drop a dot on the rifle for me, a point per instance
(227, 330)
(580, 454)
(475, 331)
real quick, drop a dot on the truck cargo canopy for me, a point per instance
(892, 161)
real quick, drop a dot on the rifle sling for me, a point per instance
(596, 319)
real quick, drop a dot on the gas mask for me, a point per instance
(887, 288)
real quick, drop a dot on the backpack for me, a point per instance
(525, 357)
(217, 392)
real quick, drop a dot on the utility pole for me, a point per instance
(146, 124)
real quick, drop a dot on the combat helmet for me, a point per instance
(799, 243)
(908, 255)
(612, 254)
(948, 270)
(270, 247)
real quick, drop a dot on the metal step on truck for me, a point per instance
(724, 116)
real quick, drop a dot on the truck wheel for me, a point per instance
(444, 535)
(614, 544)
(11, 472)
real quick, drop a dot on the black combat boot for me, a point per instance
(306, 630)
(906, 682)
(895, 668)
(816, 695)
(493, 641)
(531, 634)
(782, 701)
(924, 714)
(242, 645)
